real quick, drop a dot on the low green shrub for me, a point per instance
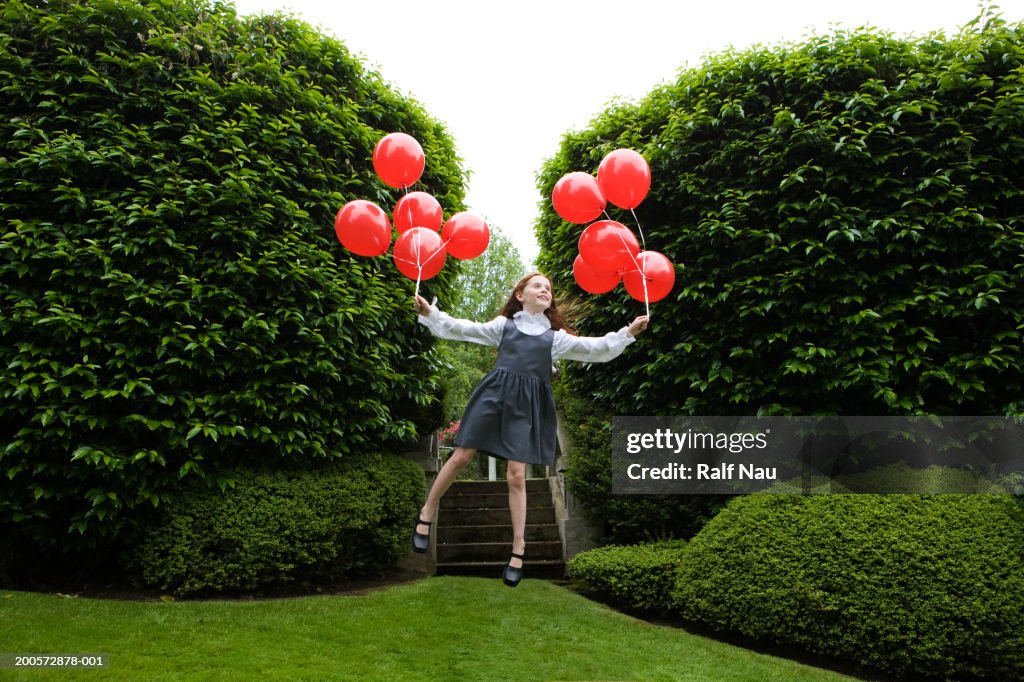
(278, 528)
(921, 585)
(631, 576)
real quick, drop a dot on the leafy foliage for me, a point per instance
(632, 576)
(845, 216)
(174, 302)
(284, 527)
(910, 584)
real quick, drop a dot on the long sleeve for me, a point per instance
(590, 348)
(443, 325)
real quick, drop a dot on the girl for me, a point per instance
(511, 414)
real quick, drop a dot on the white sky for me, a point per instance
(509, 79)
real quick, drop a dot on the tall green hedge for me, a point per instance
(845, 219)
(174, 302)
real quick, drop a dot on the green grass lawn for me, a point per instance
(442, 628)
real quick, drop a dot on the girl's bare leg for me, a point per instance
(517, 507)
(445, 477)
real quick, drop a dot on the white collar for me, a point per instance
(538, 319)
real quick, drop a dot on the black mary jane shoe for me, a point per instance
(511, 575)
(420, 541)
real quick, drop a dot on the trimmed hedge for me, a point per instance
(844, 216)
(272, 529)
(175, 302)
(909, 584)
(632, 576)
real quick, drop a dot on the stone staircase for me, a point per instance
(474, 532)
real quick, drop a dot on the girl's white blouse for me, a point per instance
(564, 345)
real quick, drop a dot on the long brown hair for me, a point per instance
(554, 315)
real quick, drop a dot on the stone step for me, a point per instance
(501, 533)
(493, 487)
(459, 500)
(491, 517)
(474, 532)
(497, 552)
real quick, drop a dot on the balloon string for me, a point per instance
(643, 241)
(408, 205)
(647, 299)
(429, 258)
(439, 249)
(420, 266)
(643, 272)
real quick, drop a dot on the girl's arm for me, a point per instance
(596, 348)
(445, 326)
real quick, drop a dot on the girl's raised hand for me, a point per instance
(638, 325)
(422, 307)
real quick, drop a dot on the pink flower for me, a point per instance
(448, 434)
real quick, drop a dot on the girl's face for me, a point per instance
(536, 295)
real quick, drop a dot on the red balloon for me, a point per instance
(608, 246)
(362, 228)
(577, 198)
(624, 178)
(594, 281)
(417, 209)
(660, 276)
(467, 235)
(419, 253)
(398, 160)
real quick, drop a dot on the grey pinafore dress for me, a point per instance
(511, 414)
